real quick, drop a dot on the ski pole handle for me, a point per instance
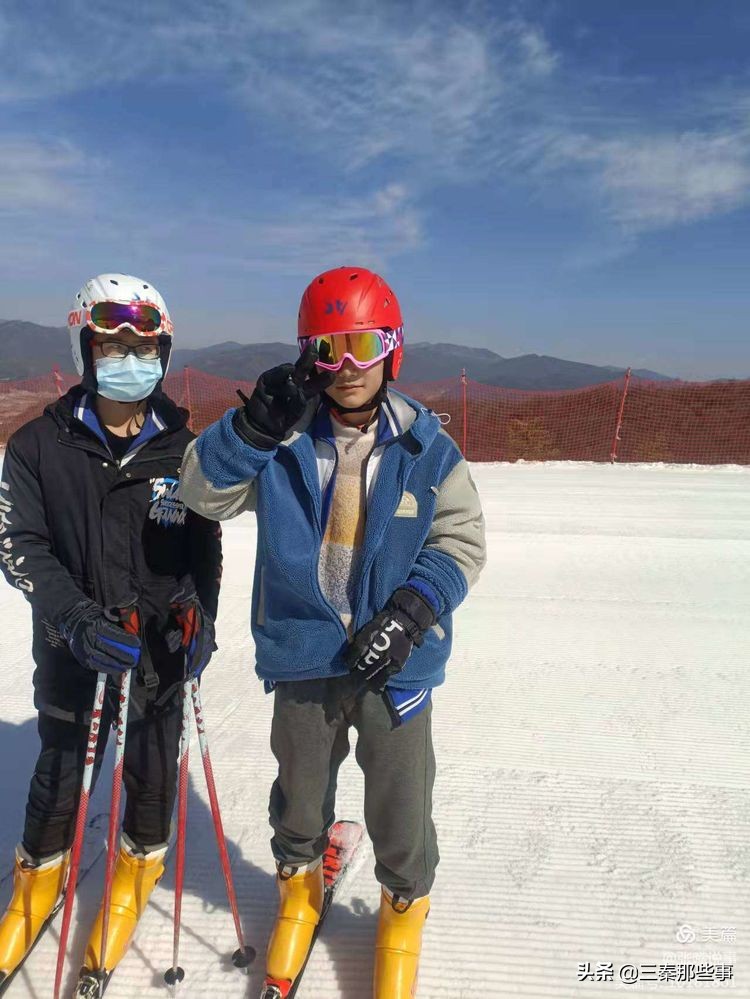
(130, 619)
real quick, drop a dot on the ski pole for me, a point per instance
(130, 622)
(114, 814)
(245, 954)
(83, 805)
(175, 974)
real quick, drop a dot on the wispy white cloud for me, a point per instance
(540, 58)
(655, 181)
(418, 82)
(361, 83)
(424, 92)
(309, 234)
(37, 175)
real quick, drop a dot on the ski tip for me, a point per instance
(347, 831)
(243, 957)
(350, 825)
(173, 976)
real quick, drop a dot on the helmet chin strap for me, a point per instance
(366, 406)
(88, 379)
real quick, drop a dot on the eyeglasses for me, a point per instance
(364, 348)
(115, 348)
(145, 319)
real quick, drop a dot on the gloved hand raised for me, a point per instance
(193, 629)
(380, 649)
(279, 400)
(99, 643)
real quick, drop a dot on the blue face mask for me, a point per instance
(126, 379)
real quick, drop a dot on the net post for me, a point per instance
(463, 404)
(620, 411)
(188, 398)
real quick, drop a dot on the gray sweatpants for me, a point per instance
(310, 740)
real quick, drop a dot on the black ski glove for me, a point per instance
(380, 649)
(279, 400)
(98, 642)
(192, 629)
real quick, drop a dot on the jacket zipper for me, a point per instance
(99, 452)
(319, 525)
(367, 565)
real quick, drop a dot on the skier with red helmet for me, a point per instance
(370, 533)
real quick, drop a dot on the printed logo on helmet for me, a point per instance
(75, 318)
(339, 307)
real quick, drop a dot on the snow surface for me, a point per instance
(593, 742)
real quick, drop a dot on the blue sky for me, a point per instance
(563, 178)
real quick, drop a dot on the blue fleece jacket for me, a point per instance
(424, 527)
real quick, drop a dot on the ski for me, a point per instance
(95, 823)
(91, 985)
(343, 841)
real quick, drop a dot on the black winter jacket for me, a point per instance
(75, 523)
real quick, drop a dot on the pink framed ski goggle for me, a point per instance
(364, 348)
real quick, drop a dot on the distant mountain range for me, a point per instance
(27, 349)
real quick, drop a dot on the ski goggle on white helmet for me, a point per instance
(110, 303)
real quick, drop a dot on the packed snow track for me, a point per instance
(593, 741)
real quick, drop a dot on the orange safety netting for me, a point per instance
(707, 423)
(630, 419)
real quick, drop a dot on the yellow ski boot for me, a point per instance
(398, 945)
(135, 877)
(300, 903)
(37, 887)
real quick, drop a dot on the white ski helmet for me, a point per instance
(123, 289)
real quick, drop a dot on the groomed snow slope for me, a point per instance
(593, 745)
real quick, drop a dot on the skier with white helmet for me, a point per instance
(94, 533)
(370, 533)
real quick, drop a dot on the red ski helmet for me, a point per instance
(352, 298)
